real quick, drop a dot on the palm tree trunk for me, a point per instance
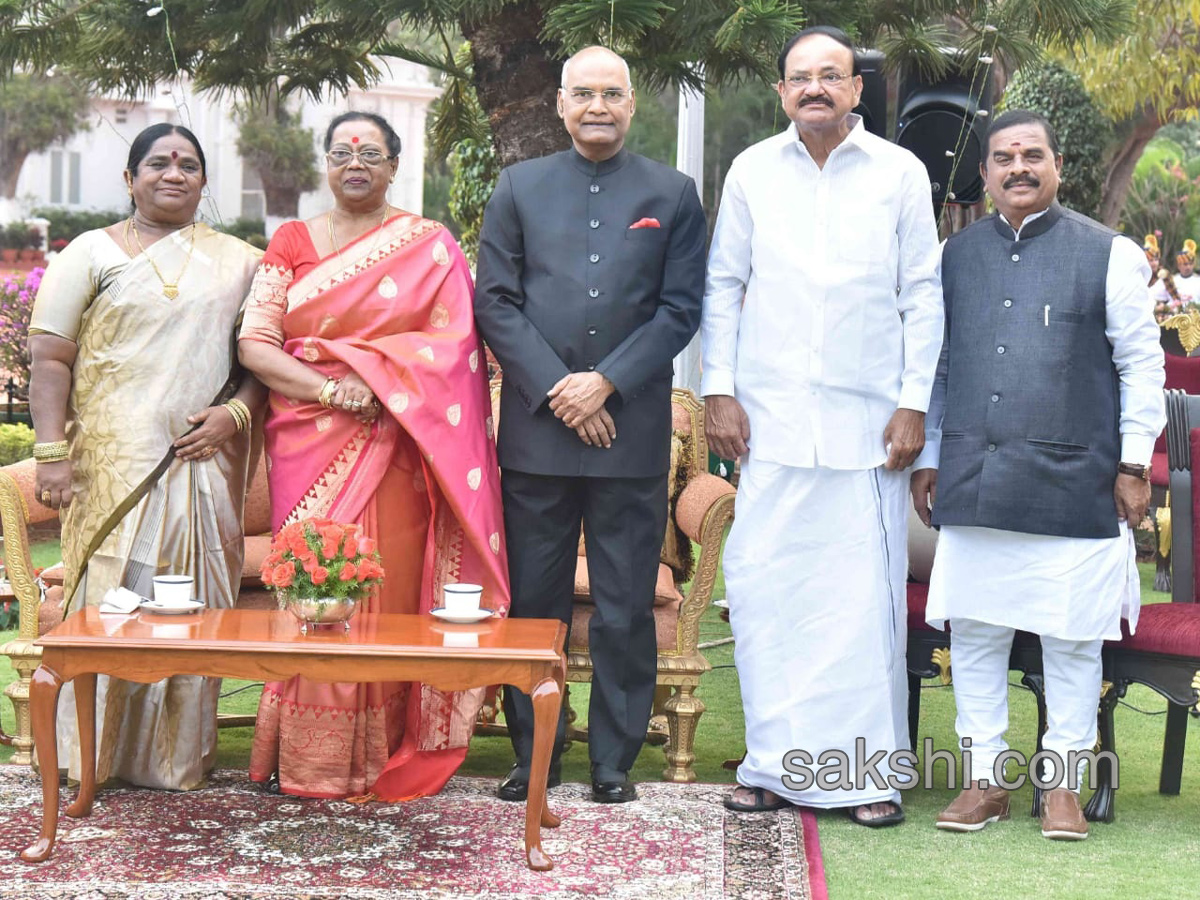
(11, 162)
(516, 76)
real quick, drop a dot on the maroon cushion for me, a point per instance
(1195, 449)
(918, 595)
(1183, 373)
(1158, 470)
(1172, 628)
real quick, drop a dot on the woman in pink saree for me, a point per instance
(360, 322)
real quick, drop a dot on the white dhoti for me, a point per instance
(1072, 592)
(814, 571)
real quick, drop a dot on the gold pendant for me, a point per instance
(170, 291)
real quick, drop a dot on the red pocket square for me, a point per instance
(646, 223)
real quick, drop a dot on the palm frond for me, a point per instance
(918, 47)
(439, 63)
(456, 116)
(578, 23)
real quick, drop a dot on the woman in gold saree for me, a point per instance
(360, 321)
(138, 411)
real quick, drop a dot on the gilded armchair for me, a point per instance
(18, 510)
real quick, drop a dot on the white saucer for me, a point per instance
(174, 609)
(478, 616)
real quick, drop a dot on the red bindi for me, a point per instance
(174, 154)
(354, 140)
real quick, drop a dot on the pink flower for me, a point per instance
(319, 575)
(331, 537)
(283, 575)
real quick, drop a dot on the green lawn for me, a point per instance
(1151, 851)
(45, 553)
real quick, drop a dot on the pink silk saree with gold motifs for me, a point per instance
(396, 308)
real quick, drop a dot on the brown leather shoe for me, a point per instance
(975, 808)
(1062, 816)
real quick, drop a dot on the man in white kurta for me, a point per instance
(1039, 438)
(821, 330)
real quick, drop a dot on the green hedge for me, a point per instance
(67, 224)
(16, 443)
(1084, 132)
(249, 230)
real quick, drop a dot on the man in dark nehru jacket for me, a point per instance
(590, 277)
(1046, 404)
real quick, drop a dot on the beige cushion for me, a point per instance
(666, 625)
(257, 516)
(50, 611)
(257, 548)
(664, 588)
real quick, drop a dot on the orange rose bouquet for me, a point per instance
(322, 560)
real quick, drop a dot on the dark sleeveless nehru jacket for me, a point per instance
(1030, 436)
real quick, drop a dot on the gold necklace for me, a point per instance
(170, 288)
(387, 207)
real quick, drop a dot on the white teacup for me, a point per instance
(461, 599)
(173, 590)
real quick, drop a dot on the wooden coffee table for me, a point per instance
(267, 645)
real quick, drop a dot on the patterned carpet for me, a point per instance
(232, 840)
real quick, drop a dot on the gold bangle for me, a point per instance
(240, 412)
(51, 451)
(328, 389)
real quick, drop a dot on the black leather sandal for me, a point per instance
(760, 804)
(892, 818)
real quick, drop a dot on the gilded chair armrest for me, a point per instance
(703, 511)
(18, 506)
(700, 509)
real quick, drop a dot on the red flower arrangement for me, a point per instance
(322, 558)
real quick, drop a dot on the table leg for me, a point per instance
(43, 702)
(547, 701)
(85, 710)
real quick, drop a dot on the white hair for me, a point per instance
(571, 59)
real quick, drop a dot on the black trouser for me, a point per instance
(623, 522)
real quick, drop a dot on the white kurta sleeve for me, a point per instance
(919, 295)
(1137, 354)
(929, 455)
(725, 286)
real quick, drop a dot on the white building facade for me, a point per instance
(84, 173)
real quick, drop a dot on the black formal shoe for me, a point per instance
(613, 791)
(515, 787)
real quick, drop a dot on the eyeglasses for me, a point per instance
(339, 158)
(801, 80)
(584, 97)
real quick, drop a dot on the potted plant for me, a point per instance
(10, 243)
(30, 250)
(320, 570)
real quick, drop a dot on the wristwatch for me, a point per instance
(1142, 472)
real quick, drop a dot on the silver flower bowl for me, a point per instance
(316, 611)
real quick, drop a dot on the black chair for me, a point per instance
(1165, 653)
